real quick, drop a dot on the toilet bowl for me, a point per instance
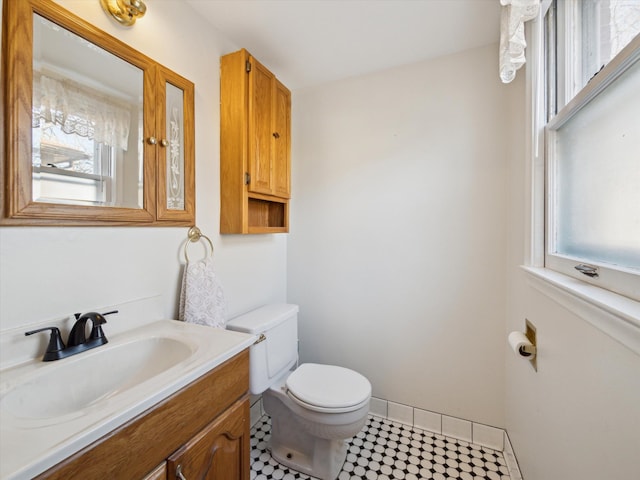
(314, 408)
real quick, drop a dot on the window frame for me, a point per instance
(620, 280)
(615, 315)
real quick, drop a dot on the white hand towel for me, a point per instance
(202, 299)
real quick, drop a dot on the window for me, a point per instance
(70, 167)
(592, 100)
(80, 138)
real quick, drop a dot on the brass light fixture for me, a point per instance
(126, 12)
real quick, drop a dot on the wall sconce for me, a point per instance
(126, 12)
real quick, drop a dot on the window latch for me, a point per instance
(588, 270)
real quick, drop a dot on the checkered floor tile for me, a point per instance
(386, 450)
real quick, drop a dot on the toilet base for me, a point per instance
(323, 459)
(293, 446)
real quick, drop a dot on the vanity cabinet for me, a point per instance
(95, 132)
(202, 429)
(217, 451)
(255, 146)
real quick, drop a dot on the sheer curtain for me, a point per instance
(512, 42)
(81, 111)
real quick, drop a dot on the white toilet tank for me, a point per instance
(274, 356)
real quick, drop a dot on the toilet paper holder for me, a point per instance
(524, 344)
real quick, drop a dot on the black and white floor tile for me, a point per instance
(386, 450)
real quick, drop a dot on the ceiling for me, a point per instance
(310, 42)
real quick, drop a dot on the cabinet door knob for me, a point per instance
(164, 142)
(179, 474)
(152, 140)
(276, 135)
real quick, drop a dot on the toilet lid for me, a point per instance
(328, 386)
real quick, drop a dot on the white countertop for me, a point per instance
(29, 446)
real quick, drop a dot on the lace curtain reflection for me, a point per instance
(81, 111)
(512, 39)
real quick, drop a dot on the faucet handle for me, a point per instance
(56, 345)
(96, 330)
(97, 320)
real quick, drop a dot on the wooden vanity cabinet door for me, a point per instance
(220, 451)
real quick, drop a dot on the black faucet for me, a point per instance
(78, 341)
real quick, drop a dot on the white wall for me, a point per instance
(578, 416)
(49, 273)
(398, 231)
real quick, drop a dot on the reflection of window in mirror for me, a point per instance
(86, 121)
(70, 167)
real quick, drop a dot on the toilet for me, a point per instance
(314, 408)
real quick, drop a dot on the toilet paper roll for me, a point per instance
(521, 345)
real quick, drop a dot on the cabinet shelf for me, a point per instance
(255, 214)
(267, 216)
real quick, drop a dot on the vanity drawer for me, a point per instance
(137, 447)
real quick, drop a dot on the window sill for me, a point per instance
(613, 314)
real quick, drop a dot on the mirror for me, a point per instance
(83, 114)
(87, 115)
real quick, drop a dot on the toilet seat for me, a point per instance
(328, 388)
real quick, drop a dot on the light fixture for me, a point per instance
(126, 12)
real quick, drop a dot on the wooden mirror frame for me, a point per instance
(18, 207)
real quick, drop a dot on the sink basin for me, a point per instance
(52, 410)
(71, 386)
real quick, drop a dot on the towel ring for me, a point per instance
(196, 235)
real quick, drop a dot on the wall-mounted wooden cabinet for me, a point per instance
(95, 132)
(255, 146)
